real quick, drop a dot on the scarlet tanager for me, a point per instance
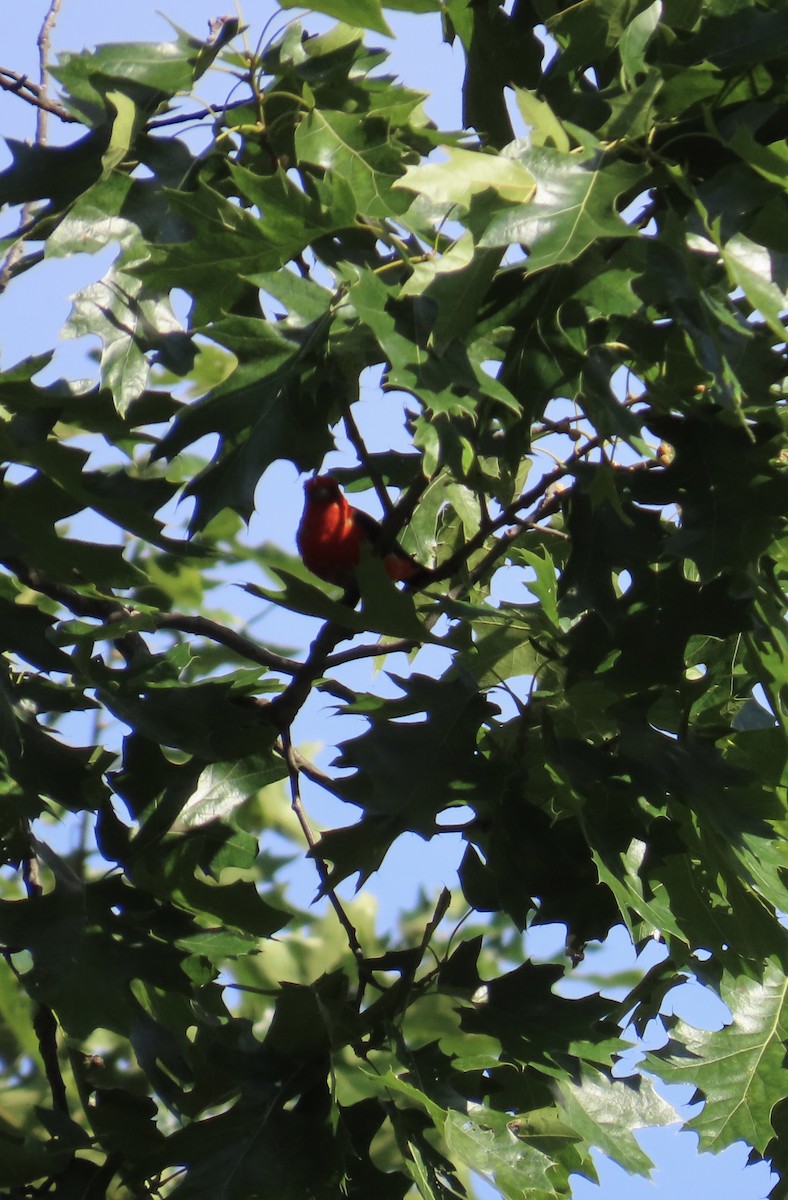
(332, 533)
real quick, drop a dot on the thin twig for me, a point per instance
(35, 94)
(31, 93)
(214, 632)
(306, 767)
(102, 608)
(198, 115)
(357, 442)
(44, 1022)
(44, 43)
(400, 515)
(294, 769)
(510, 513)
(109, 610)
(354, 653)
(45, 1026)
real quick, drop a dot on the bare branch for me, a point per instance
(44, 43)
(32, 93)
(283, 709)
(35, 94)
(374, 650)
(45, 1026)
(306, 767)
(199, 115)
(110, 609)
(357, 442)
(294, 767)
(214, 632)
(102, 608)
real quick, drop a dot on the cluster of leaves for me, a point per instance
(610, 288)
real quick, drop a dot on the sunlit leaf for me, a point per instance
(739, 1070)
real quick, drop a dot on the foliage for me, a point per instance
(607, 289)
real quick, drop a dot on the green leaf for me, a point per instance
(636, 38)
(484, 1142)
(504, 643)
(384, 610)
(606, 1112)
(224, 787)
(57, 173)
(95, 219)
(249, 244)
(737, 39)
(467, 173)
(123, 130)
(450, 768)
(26, 1159)
(85, 959)
(739, 1070)
(264, 408)
(149, 70)
(236, 904)
(118, 313)
(363, 154)
(274, 1165)
(384, 607)
(544, 125)
(500, 50)
(769, 161)
(61, 481)
(457, 283)
(290, 218)
(210, 720)
(368, 14)
(26, 631)
(752, 268)
(575, 204)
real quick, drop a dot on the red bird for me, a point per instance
(332, 533)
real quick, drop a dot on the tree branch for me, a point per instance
(32, 93)
(283, 709)
(214, 632)
(305, 766)
(354, 653)
(102, 608)
(44, 43)
(400, 514)
(35, 94)
(45, 1026)
(109, 609)
(294, 767)
(199, 115)
(509, 515)
(357, 442)
(44, 1022)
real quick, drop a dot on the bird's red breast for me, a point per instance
(332, 532)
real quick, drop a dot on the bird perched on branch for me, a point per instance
(332, 534)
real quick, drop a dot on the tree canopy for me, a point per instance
(602, 293)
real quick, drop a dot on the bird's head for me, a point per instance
(322, 489)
